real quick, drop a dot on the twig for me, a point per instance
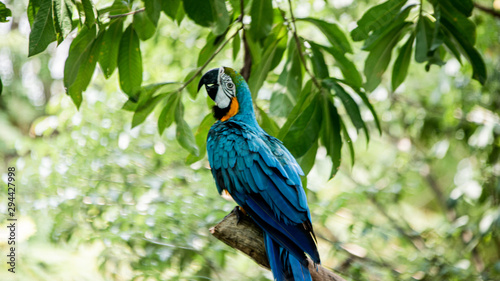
(247, 55)
(127, 14)
(242, 10)
(351, 256)
(487, 10)
(200, 69)
(450, 213)
(416, 240)
(299, 47)
(247, 237)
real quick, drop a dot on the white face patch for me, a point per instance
(226, 90)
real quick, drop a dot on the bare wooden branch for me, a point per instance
(247, 237)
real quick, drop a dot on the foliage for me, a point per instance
(265, 38)
(4, 13)
(119, 189)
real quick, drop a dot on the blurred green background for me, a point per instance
(98, 200)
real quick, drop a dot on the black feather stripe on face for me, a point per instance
(221, 112)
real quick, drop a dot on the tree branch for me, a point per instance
(487, 10)
(247, 55)
(127, 14)
(247, 237)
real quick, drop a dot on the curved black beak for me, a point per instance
(209, 79)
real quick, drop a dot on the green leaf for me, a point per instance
(180, 14)
(213, 42)
(62, 19)
(143, 110)
(117, 8)
(88, 9)
(267, 123)
(350, 105)
(255, 48)
(464, 6)
(42, 33)
(422, 43)
(109, 48)
(291, 77)
(437, 36)
(78, 54)
(201, 138)
(304, 100)
(400, 68)
(221, 17)
(435, 54)
(261, 69)
(304, 130)
(363, 96)
(86, 66)
(201, 12)
(277, 32)
(375, 18)
(347, 67)
(306, 162)
(451, 45)
(1, 86)
(290, 80)
(4, 13)
(130, 62)
(330, 133)
(33, 8)
(333, 33)
(146, 93)
(130, 105)
(143, 26)
(184, 134)
(460, 22)
(192, 88)
(318, 62)
(236, 45)
(149, 90)
(377, 61)
(348, 140)
(170, 8)
(153, 9)
(280, 104)
(380, 33)
(262, 18)
(167, 114)
(236, 8)
(468, 50)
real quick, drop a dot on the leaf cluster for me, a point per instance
(311, 99)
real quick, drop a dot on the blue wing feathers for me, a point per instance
(264, 178)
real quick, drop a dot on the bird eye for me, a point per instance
(230, 85)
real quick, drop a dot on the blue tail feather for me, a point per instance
(285, 267)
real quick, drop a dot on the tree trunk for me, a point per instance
(247, 237)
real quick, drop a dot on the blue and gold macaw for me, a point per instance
(260, 175)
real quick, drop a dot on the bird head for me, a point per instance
(222, 90)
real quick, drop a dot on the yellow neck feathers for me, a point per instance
(232, 110)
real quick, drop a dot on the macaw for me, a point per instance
(260, 174)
